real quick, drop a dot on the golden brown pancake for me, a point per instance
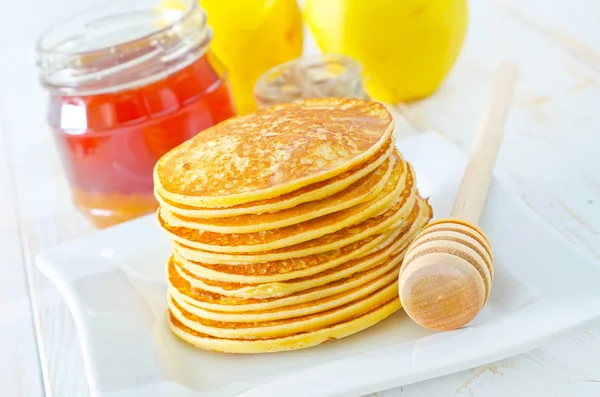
(295, 310)
(289, 269)
(224, 303)
(285, 269)
(315, 191)
(364, 190)
(293, 234)
(286, 326)
(372, 226)
(292, 342)
(273, 151)
(400, 238)
(283, 288)
(289, 226)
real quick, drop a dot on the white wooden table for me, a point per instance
(551, 151)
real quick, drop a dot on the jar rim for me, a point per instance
(120, 43)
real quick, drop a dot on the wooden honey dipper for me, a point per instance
(448, 270)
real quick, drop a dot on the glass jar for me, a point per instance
(328, 75)
(127, 82)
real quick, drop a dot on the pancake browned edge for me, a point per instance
(364, 190)
(289, 332)
(295, 268)
(331, 241)
(353, 286)
(293, 342)
(400, 185)
(315, 191)
(400, 237)
(286, 326)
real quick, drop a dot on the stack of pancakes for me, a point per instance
(288, 225)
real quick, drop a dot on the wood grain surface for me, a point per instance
(550, 151)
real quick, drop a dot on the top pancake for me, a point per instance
(395, 188)
(361, 191)
(312, 192)
(273, 151)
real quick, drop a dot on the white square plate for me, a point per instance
(114, 284)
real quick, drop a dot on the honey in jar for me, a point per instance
(127, 82)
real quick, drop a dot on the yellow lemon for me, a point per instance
(250, 37)
(406, 47)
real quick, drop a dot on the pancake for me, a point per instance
(231, 304)
(372, 226)
(288, 225)
(297, 310)
(273, 151)
(268, 272)
(286, 326)
(277, 289)
(283, 271)
(366, 189)
(286, 269)
(281, 290)
(216, 302)
(315, 191)
(271, 289)
(293, 234)
(293, 342)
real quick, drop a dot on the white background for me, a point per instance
(551, 152)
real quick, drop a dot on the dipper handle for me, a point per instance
(478, 174)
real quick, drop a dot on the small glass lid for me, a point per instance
(328, 75)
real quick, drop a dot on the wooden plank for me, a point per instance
(536, 373)
(20, 374)
(571, 25)
(46, 216)
(553, 119)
